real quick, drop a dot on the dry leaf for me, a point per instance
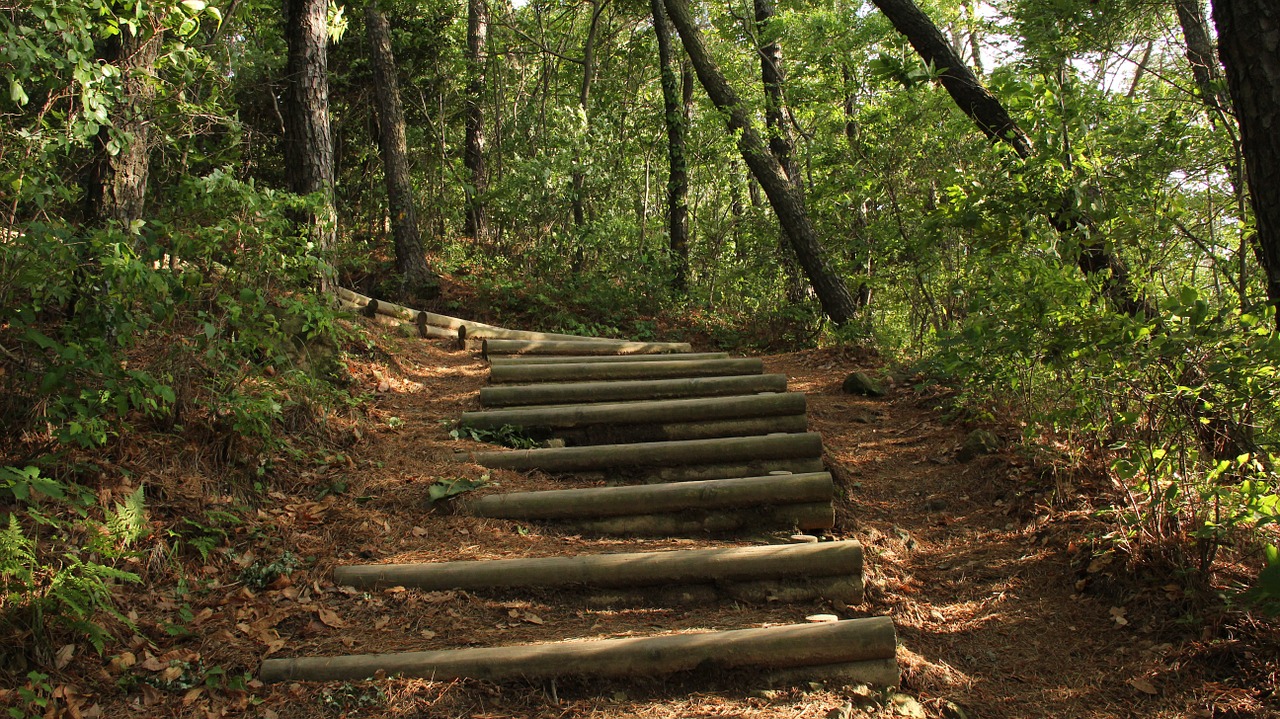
(330, 617)
(381, 622)
(122, 662)
(419, 532)
(428, 634)
(63, 657)
(153, 664)
(1117, 615)
(189, 698)
(533, 619)
(513, 614)
(1143, 686)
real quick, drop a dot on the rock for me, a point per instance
(937, 504)
(951, 710)
(821, 618)
(862, 383)
(905, 706)
(979, 442)
(843, 712)
(803, 539)
(766, 694)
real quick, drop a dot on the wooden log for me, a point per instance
(646, 412)
(480, 332)
(697, 522)
(572, 359)
(655, 498)
(497, 347)
(587, 371)
(781, 647)
(653, 454)
(674, 431)
(608, 571)
(874, 672)
(698, 472)
(454, 323)
(629, 390)
(843, 592)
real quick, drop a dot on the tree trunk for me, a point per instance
(477, 225)
(117, 184)
(781, 142)
(786, 200)
(1201, 55)
(678, 179)
(969, 94)
(308, 144)
(584, 96)
(411, 262)
(1249, 42)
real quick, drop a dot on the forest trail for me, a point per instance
(966, 558)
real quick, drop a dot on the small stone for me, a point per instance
(951, 710)
(556, 443)
(766, 694)
(842, 712)
(779, 473)
(862, 383)
(821, 618)
(905, 706)
(803, 539)
(619, 696)
(977, 443)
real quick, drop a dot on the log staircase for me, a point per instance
(678, 444)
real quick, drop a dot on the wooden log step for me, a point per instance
(614, 571)
(475, 334)
(629, 390)
(697, 472)
(587, 371)
(871, 640)
(603, 434)
(492, 347)
(553, 359)
(396, 316)
(646, 412)
(653, 454)
(655, 498)
(698, 522)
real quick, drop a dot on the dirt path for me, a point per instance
(997, 610)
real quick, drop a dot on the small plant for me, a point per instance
(507, 435)
(259, 576)
(350, 698)
(443, 489)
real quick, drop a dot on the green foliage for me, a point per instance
(444, 489)
(506, 435)
(260, 575)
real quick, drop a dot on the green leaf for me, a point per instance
(16, 93)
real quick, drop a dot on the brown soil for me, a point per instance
(1001, 606)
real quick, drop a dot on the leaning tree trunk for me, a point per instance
(781, 143)
(786, 200)
(477, 225)
(678, 179)
(308, 146)
(411, 262)
(1249, 42)
(1093, 257)
(117, 183)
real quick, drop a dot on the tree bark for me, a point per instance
(1249, 42)
(582, 372)
(642, 412)
(584, 96)
(582, 392)
(871, 641)
(734, 450)
(1202, 56)
(678, 177)
(308, 143)
(781, 142)
(989, 114)
(786, 200)
(117, 184)
(477, 225)
(411, 261)
(616, 570)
